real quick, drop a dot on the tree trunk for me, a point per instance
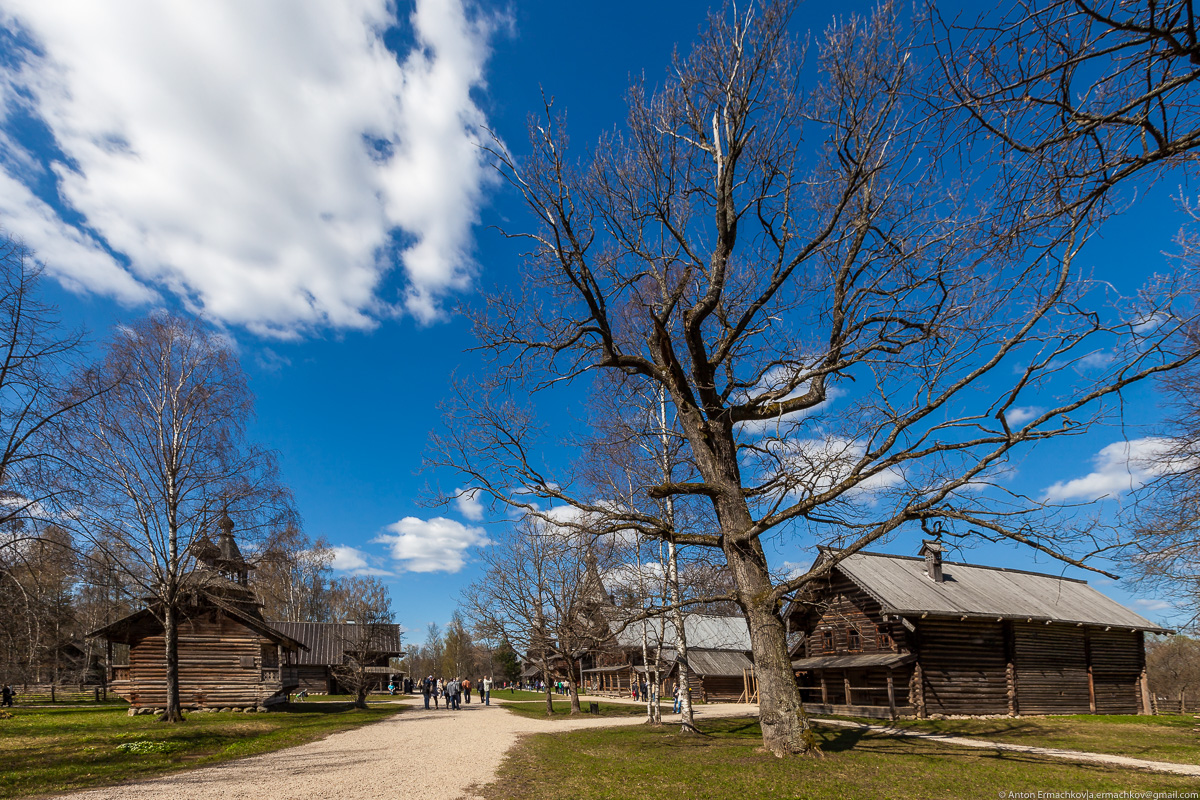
(549, 690)
(785, 726)
(574, 686)
(687, 720)
(360, 692)
(173, 712)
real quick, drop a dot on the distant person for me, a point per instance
(6, 696)
(485, 690)
(427, 689)
(438, 688)
(456, 693)
(466, 689)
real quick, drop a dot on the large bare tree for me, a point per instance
(159, 456)
(854, 325)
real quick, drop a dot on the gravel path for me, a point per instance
(417, 754)
(1053, 752)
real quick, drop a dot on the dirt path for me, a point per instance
(416, 755)
(1069, 755)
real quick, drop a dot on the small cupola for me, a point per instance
(932, 550)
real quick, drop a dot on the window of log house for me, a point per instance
(827, 640)
(853, 639)
(883, 639)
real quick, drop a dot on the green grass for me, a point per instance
(519, 694)
(637, 761)
(48, 750)
(562, 709)
(1159, 738)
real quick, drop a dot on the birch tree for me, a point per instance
(159, 456)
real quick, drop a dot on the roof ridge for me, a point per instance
(967, 564)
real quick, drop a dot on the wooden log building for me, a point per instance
(719, 657)
(888, 635)
(326, 646)
(229, 656)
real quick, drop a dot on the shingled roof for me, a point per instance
(902, 587)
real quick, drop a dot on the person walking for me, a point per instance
(485, 690)
(438, 688)
(678, 697)
(456, 693)
(7, 696)
(466, 687)
(426, 690)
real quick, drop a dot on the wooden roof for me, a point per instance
(703, 632)
(902, 587)
(853, 661)
(327, 642)
(145, 621)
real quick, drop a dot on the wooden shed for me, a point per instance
(888, 635)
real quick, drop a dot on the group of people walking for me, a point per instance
(455, 691)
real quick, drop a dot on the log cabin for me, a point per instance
(887, 636)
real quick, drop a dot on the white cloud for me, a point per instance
(432, 545)
(1153, 605)
(1021, 414)
(260, 160)
(1119, 467)
(467, 501)
(354, 561)
(816, 465)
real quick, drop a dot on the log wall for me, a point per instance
(848, 607)
(964, 670)
(220, 664)
(1052, 670)
(314, 678)
(1117, 662)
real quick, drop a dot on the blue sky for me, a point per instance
(311, 181)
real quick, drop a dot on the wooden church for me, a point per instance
(886, 635)
(229, 656)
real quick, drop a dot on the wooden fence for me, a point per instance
(37, 693)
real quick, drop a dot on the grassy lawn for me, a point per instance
(55, 750)
(519, 694)
(1161, 738)
(562, 709)
(645, 762)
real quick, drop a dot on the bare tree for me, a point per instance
(295, 579)
(1095, 92)
(34, 355)
(536, 594)
(159, 456)
(1173, 669)
(369, 637)
(854, 329)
